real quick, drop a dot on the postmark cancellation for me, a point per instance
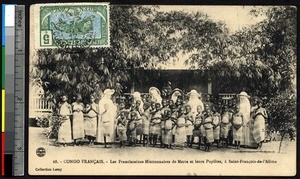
(72, 26)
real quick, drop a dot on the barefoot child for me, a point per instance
(208, 126)
(151, 128)
(225, 125)
(180, 135)
(156, 120)
(146, 116)
(237, 123)
(174, 117)
(216, 126)
(139, 120)
(131, 128)
(167, 130)
(121, 128)
(164, 109)
(189, 125)
(197, 125)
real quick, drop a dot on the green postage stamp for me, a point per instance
(74, 25)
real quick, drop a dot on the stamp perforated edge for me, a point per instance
(35, 26)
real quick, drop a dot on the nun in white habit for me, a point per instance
(155, 95)
(107, 124)
(194, 101)
(245, 108)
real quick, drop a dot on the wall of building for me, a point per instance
(186, 80)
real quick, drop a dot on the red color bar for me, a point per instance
(2, 153)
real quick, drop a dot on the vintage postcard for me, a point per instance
(162, 90)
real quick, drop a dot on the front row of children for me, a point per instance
(176, 126)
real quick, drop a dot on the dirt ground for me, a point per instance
(220, 161)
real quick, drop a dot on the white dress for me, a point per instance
(107, 120)
(78, 121)
(247, 137)
(64, 132)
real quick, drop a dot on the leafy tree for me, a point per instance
(95, 69)
(141, 37)
(260, 59)
(282, 113)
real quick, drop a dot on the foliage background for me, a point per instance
(260, 59)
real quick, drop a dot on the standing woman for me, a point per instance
(106, 125)
(64, 132)
(78, 121)
(92, 111)
(259, 116)
(245, 108)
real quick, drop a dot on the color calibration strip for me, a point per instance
(19, 91)
(3, 90)
(9, 58)
(13, 90)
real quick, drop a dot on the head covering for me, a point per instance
(175, 93)
(108, 92)
(136, 95)
(243, 93)
(193, 92)
(177, 90)
(154, 89)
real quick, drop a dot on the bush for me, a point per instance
(51, 124)
(282, 113)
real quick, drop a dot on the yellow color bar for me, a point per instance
(3, 110)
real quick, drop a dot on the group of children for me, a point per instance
(173, 125)
(166, 124)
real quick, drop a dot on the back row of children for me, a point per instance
(172, 124)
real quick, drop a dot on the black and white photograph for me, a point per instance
(162, 90)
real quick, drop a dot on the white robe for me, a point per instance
(194, 102)
(107, 120)
(156, 98)
(245, 108)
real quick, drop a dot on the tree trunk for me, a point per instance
(281, 139)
